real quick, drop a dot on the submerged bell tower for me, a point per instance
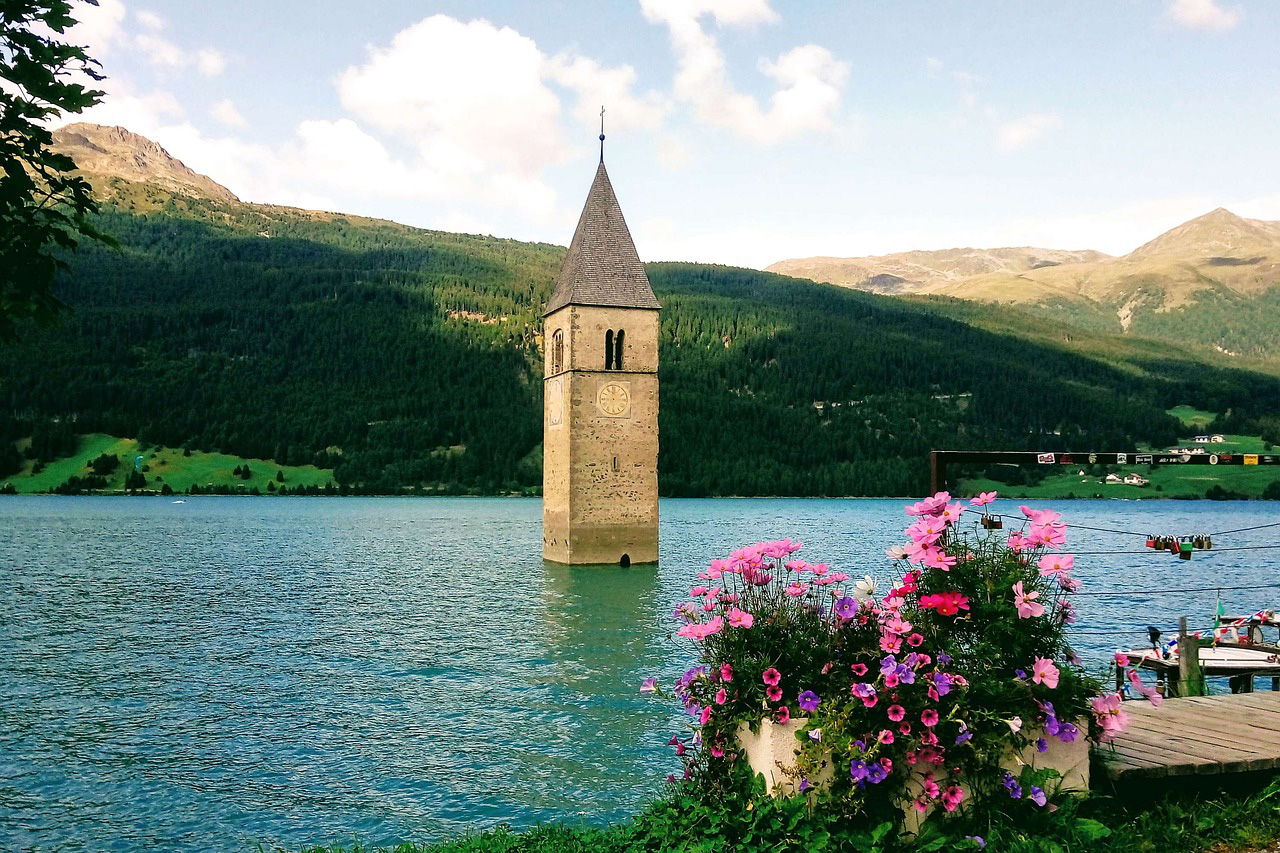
(600, 396)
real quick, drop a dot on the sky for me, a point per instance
(739, 132)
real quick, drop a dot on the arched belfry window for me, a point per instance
(617, 350)
(608, 350)
(557, 351)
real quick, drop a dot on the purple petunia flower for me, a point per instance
(846, 608)
(876, 774)
(942, 682)
(978, 840)
(944, 658)
(809, 701)
(1037, 796)
(1067, 733)
(804, 785)
(858, 772)
(965, 737)
(1042, 745)
(649, 685)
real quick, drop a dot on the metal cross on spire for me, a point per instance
(602, 133)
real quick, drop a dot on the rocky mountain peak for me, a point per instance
(1217, 233)
(116, 152)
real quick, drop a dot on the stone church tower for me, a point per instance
(600, 432)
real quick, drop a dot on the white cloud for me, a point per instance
(210, 62)
(160, 51)
(97, 27)
(932, 65)
(225, 113)
(672, 152)
(150, 20)
(598, 86)
(809, 78)
(1204, 14)
(469, 96)
(1013, 135)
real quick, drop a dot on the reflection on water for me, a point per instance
(186, 676)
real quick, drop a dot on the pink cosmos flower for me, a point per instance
(740, 618)
(951, 513)
(927, 530)
(983, 499)
(935, 558)
(1025, 602)
(773, 693)
(771, 677)
(896, 713)
(1109, 714)
(1044, 672)
(1050, 535)
(779, 549)
(945, 603)
(929, 717)
(1018, 542)
(1068, 583)
(721, 696)
(698, 592)
(1051, 564)
(796, 590)
(796, 565)
(1122, 659)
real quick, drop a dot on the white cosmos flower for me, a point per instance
(865, 589)
(897, 552)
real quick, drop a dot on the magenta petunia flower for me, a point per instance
(771, 677)
(929, 717)
(774, 693)
(784, 714)
(721, 696)
(896, 713)
(726, 672)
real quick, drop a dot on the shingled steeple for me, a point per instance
(602, 267)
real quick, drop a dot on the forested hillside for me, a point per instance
(407, 358)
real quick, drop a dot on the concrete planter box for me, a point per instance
(771, 751)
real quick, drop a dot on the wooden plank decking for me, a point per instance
(1199, 735)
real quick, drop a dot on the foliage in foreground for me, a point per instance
(748, 820)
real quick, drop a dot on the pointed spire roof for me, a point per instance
(602, 267)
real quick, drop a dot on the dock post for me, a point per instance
(1190, 680)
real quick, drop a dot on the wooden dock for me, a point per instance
(1195, 736)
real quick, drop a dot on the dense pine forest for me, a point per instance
(407, 359)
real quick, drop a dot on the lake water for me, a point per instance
(228, 671)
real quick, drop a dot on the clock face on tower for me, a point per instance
(613, 400)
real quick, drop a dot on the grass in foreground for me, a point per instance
(1185, 821)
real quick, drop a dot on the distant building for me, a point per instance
(1113, 479)
(1217, 437)
(1135, 480)
(1201, 439)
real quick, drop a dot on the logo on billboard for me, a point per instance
(1143, 459)
(1045, 458)
(1122, 458)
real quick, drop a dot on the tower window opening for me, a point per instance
(617, 350)
(615, 464)
(557, 351)
(608, 350)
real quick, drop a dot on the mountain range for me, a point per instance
(1212, 282)
(404, 358)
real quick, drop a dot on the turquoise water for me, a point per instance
(228, 671)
